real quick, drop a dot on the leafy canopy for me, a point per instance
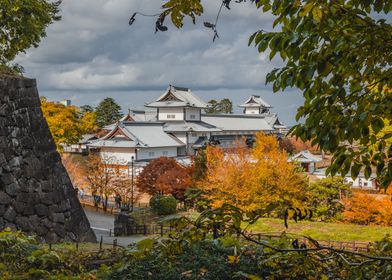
(338, 53)
(23, 24)
(67, 123)
(224, 106)
(258, 180)
(63, 122)
(107, 112)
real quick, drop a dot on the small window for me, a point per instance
(165, 153)
(193, 134)
(171, 116)
(151, 154)
(193, 117)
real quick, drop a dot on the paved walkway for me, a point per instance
(103, 225)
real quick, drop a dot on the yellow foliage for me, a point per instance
(63, 122)
(89, 122)
(233, 259)
(251, 180)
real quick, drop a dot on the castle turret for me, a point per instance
(255, 105)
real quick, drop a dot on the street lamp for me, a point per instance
(132, 160)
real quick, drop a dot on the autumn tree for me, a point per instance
(76, 169)
(367, 209)
(337, 53)
(295, 145)
(259, 179)
(100, 177)
(121, 185)
(63, 122)
(164, 176)
(107, 112)
(175, 182)
(88, 122)
(23, 24)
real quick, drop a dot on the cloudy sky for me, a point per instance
(93, 53)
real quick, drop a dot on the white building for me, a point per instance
(360, 182)
(137, 141)
(176, 126)
(307, 160)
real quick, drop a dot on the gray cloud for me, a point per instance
(92, 53)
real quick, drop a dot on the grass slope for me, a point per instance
(323, 231)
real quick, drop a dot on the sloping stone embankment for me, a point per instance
(36, 194)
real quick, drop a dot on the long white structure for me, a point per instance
(175, 126)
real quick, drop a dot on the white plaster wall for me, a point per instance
(144, 153)
(181, 137)
(357, 183)
(120, 156)
(192, 111)
(177, 112)
(249, 111)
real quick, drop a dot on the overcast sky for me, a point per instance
(93, 53)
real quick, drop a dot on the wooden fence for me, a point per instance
(150, 229)
(344, 245)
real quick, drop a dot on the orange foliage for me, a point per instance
(76, 169)
(257, 179)
(367, 209)
(293, 145)
(164, 176)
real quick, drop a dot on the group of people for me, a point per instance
(98, 199)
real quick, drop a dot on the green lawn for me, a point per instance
(323, 231)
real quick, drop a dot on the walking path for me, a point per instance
(103, 225)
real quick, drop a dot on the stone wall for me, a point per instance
(36, 194)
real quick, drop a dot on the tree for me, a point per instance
(212, 107)
(164, 176)
(86, 109)
(295, 145)
(260, 179)
(338, 54)
(326, 197)
(23, 24)
(367, 209)
(121, 185)
(76, 169)
(88, 122)
(107, 112)
(175, 182)
(224, 106)
(100, 176)
(63, 123)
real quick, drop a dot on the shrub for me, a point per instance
(163, 205)
(326, 197)
(367, 209)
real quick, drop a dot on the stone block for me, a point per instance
(12, 189)
(46, 198)
(60, 230)
(58, 218)
(19, 207)
(23, 223)
(10, 214)
(42, 210)
(6, 179)
(4, 198)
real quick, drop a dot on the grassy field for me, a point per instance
(323, 231)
